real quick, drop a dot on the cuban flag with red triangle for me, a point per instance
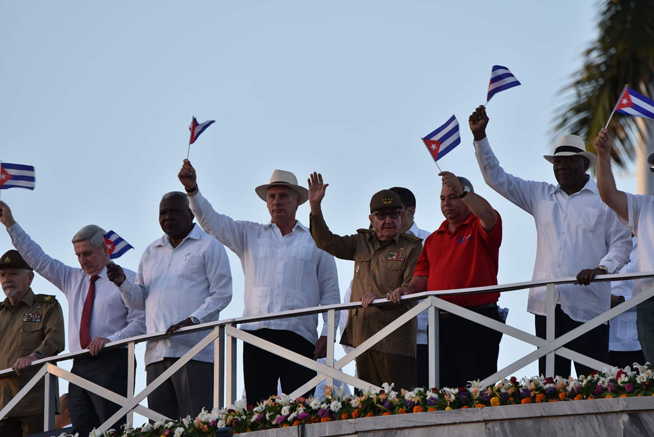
(443, 139)
(197, 129)
(633, 103)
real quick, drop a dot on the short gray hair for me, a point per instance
(94, 234)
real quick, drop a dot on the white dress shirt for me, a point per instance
(111, 318)
(574, 232)
(282, 272)
(174, 283)
(640, 211)
(623, 333)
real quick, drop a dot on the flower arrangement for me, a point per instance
(282, 411)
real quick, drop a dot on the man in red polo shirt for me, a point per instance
(463, 252)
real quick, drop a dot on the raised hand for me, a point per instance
(452, 181)
(602, 144)
(478, 121)
(188, 177)
(115, 274)
(6, 218)
(317, 189)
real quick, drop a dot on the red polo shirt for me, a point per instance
(465, 258)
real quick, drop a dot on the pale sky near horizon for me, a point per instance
(98, 96)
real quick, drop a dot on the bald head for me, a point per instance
(175, 216)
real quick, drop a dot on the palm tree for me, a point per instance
(623, 53)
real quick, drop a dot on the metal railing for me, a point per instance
(224, 335)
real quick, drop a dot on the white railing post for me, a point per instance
(131, 370)
(49, 407)
(550, 334)
(219, 369)
(433, 349)
(230, 384)
(331, 333)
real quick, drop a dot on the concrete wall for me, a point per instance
(628, 417)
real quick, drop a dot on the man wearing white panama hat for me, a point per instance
(284, 270)
(577, 235)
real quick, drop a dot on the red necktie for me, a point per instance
(85, 324)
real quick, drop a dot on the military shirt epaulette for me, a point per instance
(45, 298)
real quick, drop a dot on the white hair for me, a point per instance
(94, 234)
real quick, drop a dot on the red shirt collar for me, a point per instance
(444, 226)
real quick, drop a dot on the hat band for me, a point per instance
(572, 149)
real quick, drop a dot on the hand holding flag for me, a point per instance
(501, 79)
(196, 130)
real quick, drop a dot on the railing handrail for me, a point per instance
(501, 288)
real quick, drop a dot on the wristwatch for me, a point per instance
(195, 320)
(602, 268)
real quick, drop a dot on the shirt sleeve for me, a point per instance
(51, 269)
(133, 290)
(521, 192)
(54, 338)
(618, 240)
(635, 204)
(493, 237)
(328, 286)
(135, 318)
(220, 283)
(340, 246)
(230, 232)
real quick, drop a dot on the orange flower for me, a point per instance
(465, 406)
(370, 414)
(431, 409)
(563, 395)
(608, 395)
(418, 409)
(345, 415)
(296, 422)
(386, 413)
(285, 425)
(624, 395)
(495, 401)
(401, 411)
(448, 408)
(540, 397)
(525, 401)
(479, 405)
(326, 419)
(579, 397)
(355, 413)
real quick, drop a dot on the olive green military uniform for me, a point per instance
(33, 325)
(380, 267)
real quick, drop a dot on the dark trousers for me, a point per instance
(468, 350)
(263, 369)
(422, 365)
(21, 426)
(379, 367)
(87, 410)
(186, 392)
(645, 324)
(626, 358)
(594, 343)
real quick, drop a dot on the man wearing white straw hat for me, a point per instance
(284, 270)
(577, 235)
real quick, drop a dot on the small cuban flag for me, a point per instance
(445, 138)
(501, 79)
(115, 245)
(633, 103)
(197, 129)
(16, 176)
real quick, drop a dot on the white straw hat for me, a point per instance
(570, 145)
(282, 178)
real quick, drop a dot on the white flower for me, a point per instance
(335, 406)
(292, 416)
(387, 387)
(355, 402)
(315, 404)
(241, 404)
(283, 399)
(147, 427)
(432, 395)
(260, 408)
(179, 432)
(392, 395)
(221, 424)
(286, 410)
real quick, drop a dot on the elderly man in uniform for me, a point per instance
(284, 270)
(96, 316)
(32, 327)
(577, 234)
(183, 279)
(384, 260)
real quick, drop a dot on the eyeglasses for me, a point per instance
(382, 215)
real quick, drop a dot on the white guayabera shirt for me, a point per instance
(282, 272)
(574, 232)
(623, 335)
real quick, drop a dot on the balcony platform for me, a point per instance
(625, 417)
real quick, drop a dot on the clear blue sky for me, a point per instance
(98, 96)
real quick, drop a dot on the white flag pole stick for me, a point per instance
(438, 166)
(188, 150)
(615, 106)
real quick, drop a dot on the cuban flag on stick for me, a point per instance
(501, 79)
(16, 176)
(443, 139)
(115, 245)
(196, 130)
(632, 103)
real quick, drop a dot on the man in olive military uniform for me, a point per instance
(31, 327)
(384, 260)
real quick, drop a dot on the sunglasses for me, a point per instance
(382, 215)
